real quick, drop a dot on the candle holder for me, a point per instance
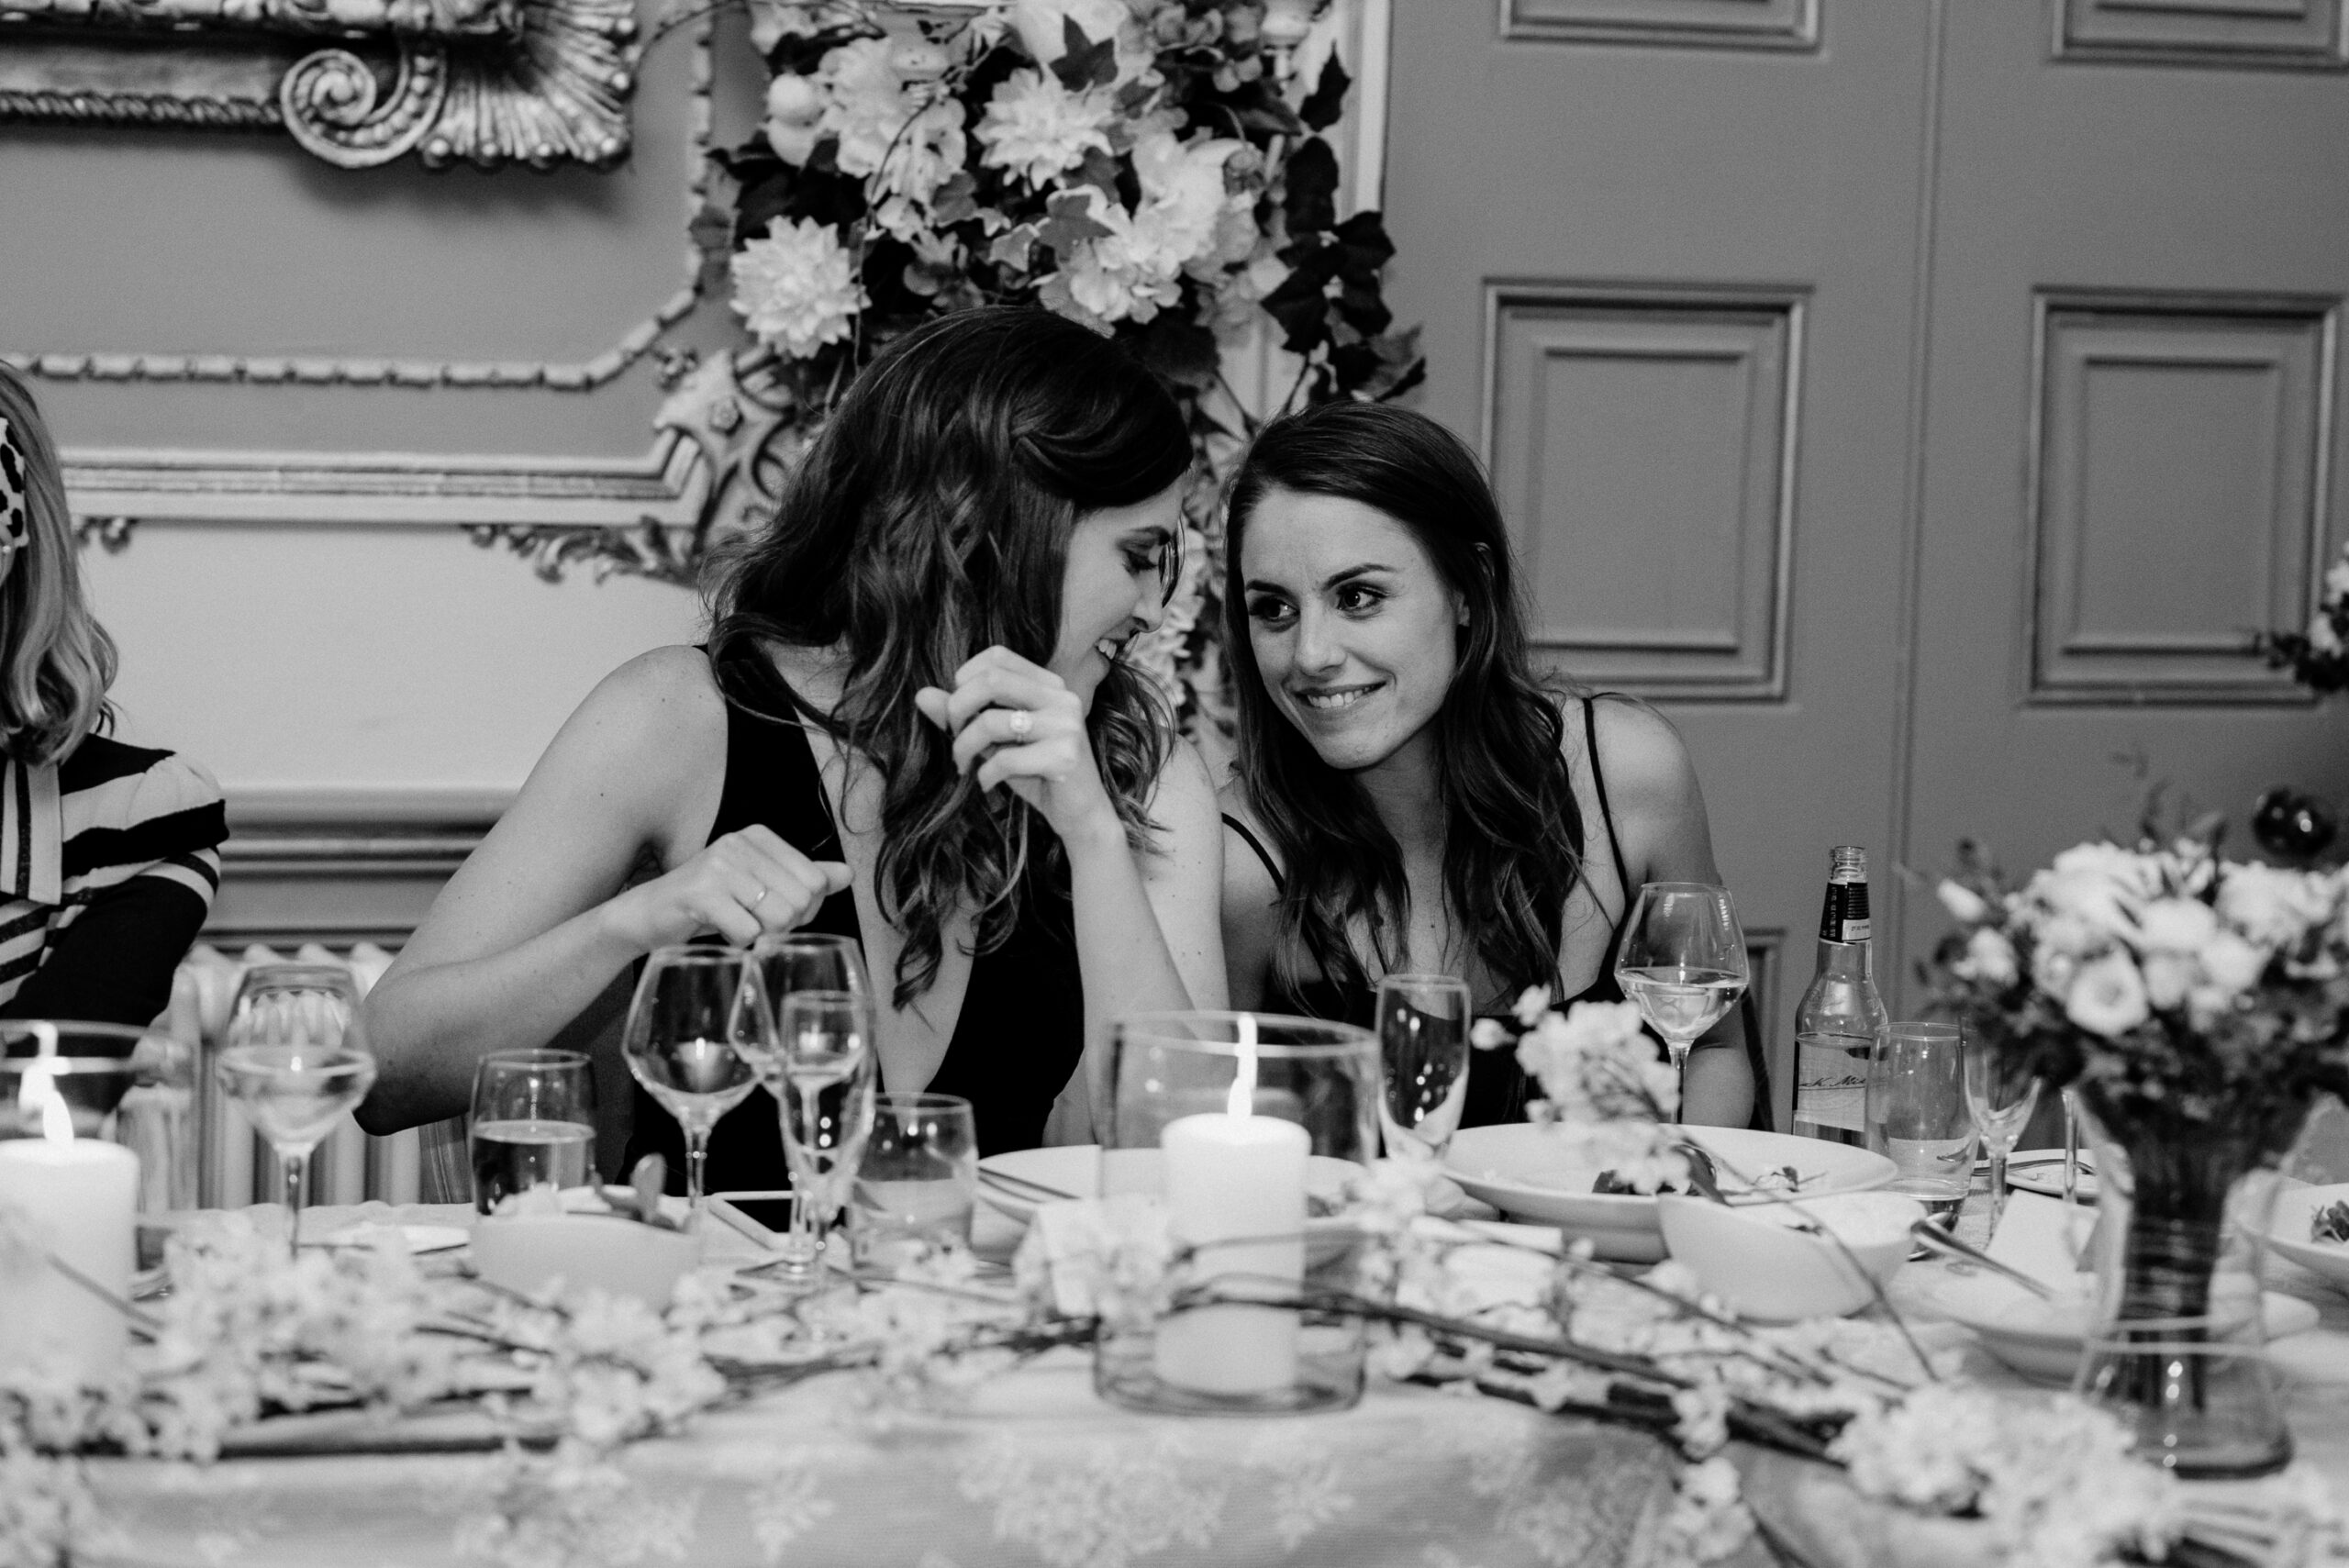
(123, 1084)
(1243, 1124)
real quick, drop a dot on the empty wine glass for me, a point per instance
(809, 960)
(698, 1031)
(1683, 961)
(2001, 1091)
(826, 1068)
(294, 1056)
(1423, 1022)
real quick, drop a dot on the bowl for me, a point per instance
(2288, 1233)
(2042, 1338)
(586, 1251)
(1529, 1173)
(1760, 1265)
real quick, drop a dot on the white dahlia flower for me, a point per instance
(797, 287)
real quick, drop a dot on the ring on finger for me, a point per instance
(761, 897)
(1022, 722)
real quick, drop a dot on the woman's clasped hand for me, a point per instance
(746, 884)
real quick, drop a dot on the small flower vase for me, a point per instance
(2183, 1210)
(1239, 1123)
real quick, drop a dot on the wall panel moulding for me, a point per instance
(2170, 429)
(2286, 35)
(1642, 445)
(1712, 24)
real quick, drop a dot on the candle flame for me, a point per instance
(38, 1094)
(1241, 1101)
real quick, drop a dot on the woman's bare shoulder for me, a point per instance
(1640, 751)
(652, 725)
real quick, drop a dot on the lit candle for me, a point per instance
(75, 1198)
(1235, 1192)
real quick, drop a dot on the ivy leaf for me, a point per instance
(1181, 350)
(1310, 200)
(1302, 311)
(1362, 247)
(956, 201)
(1327, 102)
(1363, 308)
(1084, 63)
(1069, 223)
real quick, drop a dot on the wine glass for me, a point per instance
(824, 1080)
(809, 960)
(295, 1057)
(1683, 961)
(1423, 1021)
(2001, 1091)
(533, 1123)
(696, 1032)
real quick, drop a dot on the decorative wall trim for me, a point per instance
(2243, 385)
(1755, 335)
(485, 81)
(338, 866)
(384, 371)
(2275, 35)
(1709, 24)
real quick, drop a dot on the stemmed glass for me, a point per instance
(809, 960)
(1683, 961)
(825, 1067)
(295, 1057)
(696, 1033)
(2001, 1091)
(1423, 1021)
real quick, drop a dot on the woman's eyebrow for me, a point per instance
(1337, 579)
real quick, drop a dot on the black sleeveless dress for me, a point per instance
(1497, 1087)
(1021, 1030)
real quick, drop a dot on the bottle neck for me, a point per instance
(1847, 960)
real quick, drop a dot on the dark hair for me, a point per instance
(930, 519)
(1510, 821)
(56, 660)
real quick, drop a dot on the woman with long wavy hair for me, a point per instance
(913, 724)
(1409, 796)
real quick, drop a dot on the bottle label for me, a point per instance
(1832, 1081)
(1845, 918)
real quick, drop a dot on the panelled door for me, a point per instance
(1666, 254)
(1919, 401)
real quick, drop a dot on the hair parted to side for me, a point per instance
(56, 660)
(1510, 820)
(930, 519)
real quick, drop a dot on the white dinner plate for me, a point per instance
(1076, 1169)
(2296, 1208)
(1525, 1171)
(2042, 1338)
(2040, 1171)
(421, 1238)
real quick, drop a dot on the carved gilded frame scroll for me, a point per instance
(357, 83)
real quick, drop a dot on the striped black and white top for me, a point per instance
(108, 862)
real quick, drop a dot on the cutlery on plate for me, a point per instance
(1022, 1187)
(1932, 1238)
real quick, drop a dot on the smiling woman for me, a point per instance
(1408, 794)
(914, 725)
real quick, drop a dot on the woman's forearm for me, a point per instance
(1718, 1088)
(1121, 951)
(429, 1024)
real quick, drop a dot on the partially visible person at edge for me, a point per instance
(110, 853)
(914, 724)
(1409, 795)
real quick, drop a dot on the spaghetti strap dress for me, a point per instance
(1021, 1030)
(1497, 1087)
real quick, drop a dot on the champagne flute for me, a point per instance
(1423, 1022)
(1683, 961)
(696, 1032)
(2001, 1091)
(825, 1071)
(295, 1057)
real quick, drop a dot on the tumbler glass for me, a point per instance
(1917, 1115)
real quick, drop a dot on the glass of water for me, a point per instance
(1683, 961)
(1917, 1115)
(533, 1124)
(917, 1182)
(1423, 1023)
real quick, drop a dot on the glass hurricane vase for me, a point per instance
(2179, 1348)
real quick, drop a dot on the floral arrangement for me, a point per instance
(1153, 169)
(2171, 984)
(1604, 1089)
(2318, 658)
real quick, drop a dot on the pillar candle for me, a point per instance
(79, 1195)
(1230, 1176)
